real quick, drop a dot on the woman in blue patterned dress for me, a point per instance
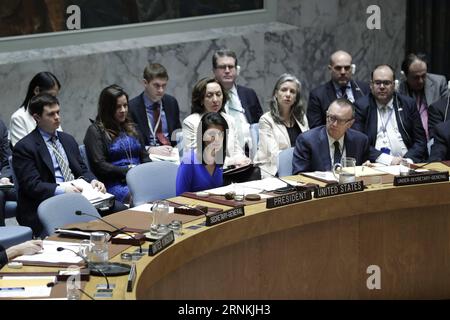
(113, 145)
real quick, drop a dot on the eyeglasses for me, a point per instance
(385, 83)
(333, 119)
(225, 66)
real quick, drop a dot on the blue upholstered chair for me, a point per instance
(59, 210)
(152, 181)
(254, 132)
(83, 153)
(285, 162)
(12, 235)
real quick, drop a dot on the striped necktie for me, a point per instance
(63, 165)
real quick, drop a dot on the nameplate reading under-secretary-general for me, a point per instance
(162, 243)
(289, 198)
(421, 178)
(337, 189)
(222, 216)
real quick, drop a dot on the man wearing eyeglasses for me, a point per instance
(341, 85)
(391, 121)
(320, 148)
(242, 103)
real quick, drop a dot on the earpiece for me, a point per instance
(396, 85)
(353, 66)
(448, 86)
(402, 75)
(238, 70)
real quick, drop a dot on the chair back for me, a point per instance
(285, 162)
(152, 181)
(83, 153)
(12, 235)
(59, 210)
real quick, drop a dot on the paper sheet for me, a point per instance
(89, 192)
(49, 253)
(147, 207)
(25, 286)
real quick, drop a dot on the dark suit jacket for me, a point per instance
(435, 88)
(3, 257)
(36, 177)
(440, 150)
(139, 116)
(250, 103)
(321, 97)
(312, 151)
(408, 122)
(437, 113)
(5, 151)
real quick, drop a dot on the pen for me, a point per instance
(12, 289)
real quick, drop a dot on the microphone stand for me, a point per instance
(80, 213)
(89, 264)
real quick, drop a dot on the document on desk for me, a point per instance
(50, 255)
(92, 194)
(325, 176)
(25, 286)
(147, 207)
(174, 157)
(240, 188)
(395, 170)
(269, 184)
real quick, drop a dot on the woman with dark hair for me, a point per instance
(22, 122)
(280, 127)
(113, 145)
(201, 169)
(209, 95)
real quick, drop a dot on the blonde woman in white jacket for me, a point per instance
(280, 127)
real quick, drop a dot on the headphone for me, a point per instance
(353, 68)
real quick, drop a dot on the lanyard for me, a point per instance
(152, 131)
(384, 125)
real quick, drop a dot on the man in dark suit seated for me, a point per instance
(156, 113)
(43, 159)
(320, 148)
(391, 121)
(424, 87)
(440, 150)
(341, 85)
(242, 103)
(5, 174)
(438, 112)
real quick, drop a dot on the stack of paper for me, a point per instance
(26, 287)
(51, 255)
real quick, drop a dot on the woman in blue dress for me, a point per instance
(113, 145)
(201, 168)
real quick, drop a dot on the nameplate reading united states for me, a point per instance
(162, 243)
(421, 178)
(289, 198)
(222, 216)
(337, 189)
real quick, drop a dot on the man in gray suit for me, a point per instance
(424, 87)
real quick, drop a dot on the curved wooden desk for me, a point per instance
(319, 249)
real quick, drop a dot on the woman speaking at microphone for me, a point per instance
(113, 145)
(201, 168)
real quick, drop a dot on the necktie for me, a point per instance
(63, 165)
(422, 107)
(337, 152)
(344, 92)
(158, 130)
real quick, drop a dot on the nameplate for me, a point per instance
(222, 216)
(162, 243)
(337, 189)
(288, 198)
(421, 178)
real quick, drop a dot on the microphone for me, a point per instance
(80, 213)
(89, 264)
(52, 284)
